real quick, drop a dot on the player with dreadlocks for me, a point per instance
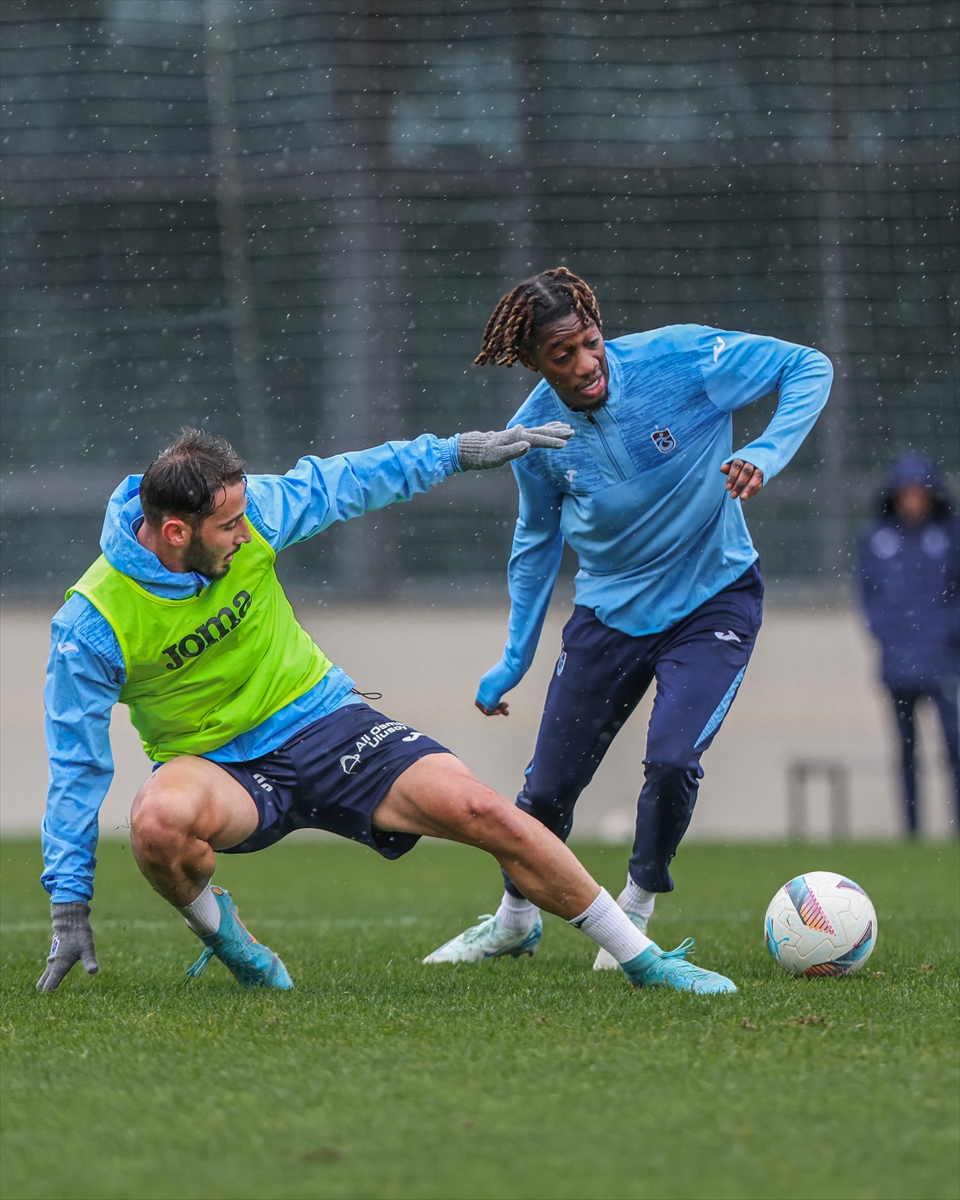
(669, 586)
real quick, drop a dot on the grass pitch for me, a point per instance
(535, 1078)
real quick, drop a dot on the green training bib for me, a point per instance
(202, 671)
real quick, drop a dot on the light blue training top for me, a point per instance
(85, 671)
(639, 494)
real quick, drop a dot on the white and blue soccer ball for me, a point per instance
(821, 924)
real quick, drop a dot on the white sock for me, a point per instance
(637, 900)
(203, 915)
(610, 927)
(516, 913)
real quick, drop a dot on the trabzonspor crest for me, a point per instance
(664, 440)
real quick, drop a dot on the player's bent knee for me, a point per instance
(482, 803)
(488, 815)
(157, 825)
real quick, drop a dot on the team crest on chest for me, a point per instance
(664, 440)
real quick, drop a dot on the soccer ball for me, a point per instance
(821, 924)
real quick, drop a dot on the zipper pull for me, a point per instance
(591, 418)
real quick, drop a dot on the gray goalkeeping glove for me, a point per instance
(72, 942)
(481, 451)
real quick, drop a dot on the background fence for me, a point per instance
(289, 221)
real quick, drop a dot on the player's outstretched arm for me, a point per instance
(482, 451)
(319, 492)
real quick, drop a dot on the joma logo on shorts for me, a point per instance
(214, 629)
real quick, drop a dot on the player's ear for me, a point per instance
(175, 532)
(526, 359)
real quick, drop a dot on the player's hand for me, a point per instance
(499, 679)
(72, 942)
(743, 479)
(483, 451)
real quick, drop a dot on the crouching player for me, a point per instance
(669, 586)
(255, 732)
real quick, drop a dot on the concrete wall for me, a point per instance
(808, 694)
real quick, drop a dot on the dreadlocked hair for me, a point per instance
(539, 300)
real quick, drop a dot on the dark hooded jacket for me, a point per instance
(910, 582)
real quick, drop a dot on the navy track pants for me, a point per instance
(944, 696)
(601, 676)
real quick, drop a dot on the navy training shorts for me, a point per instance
(332, 775)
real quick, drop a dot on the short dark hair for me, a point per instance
(186, 479)
(537, 301)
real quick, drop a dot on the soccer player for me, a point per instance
(254, 731)
(669, 587)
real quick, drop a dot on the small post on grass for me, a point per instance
(800, 773)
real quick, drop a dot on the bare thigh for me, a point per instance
(439, 797)
(188, 809)
(197, 798)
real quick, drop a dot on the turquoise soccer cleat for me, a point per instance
(605, 960)
(490, 939)
(669, 969)
(250, 963)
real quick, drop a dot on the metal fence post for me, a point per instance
(799, 774)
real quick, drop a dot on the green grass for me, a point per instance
(382, 1078)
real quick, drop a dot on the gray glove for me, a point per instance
(481, 451)
(72, 942)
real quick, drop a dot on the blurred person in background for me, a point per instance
(909, 572)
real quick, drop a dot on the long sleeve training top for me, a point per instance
(638, 493)
(85, 670)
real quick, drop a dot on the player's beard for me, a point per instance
(593, 406)
(202, 559)
(579, 403)
(596, 405)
